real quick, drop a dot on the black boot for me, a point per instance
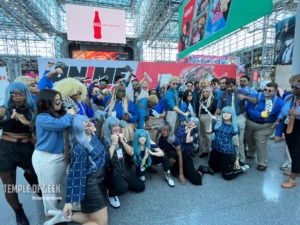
(21, 217)
(33, 181)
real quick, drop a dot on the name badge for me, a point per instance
(114, 114)
(286, 121)
(120, 154)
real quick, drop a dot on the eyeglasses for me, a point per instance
(33, 84)
(121, 91)
(163, 88)
(57, 102)
(244, 81)
(15, 94)
(268, 90)
(78, 93)
(135, 85)
(175, 83)
(213, 84)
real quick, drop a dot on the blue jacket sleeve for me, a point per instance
(183, 108)
(55, 124)
(169, 100)
(45, 82)
(76, 181)
(133, 111)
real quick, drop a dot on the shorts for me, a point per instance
(95, 193)
(15, 154)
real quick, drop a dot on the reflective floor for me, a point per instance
(252, 198)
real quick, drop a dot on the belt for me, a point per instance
(257, 121)
(11, 139)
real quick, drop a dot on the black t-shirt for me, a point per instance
(166, 146)
(15, 126)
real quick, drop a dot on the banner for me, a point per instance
(213, 19)
(210, 59)
(95, 24)
(3, 84)
(94, 69)
(284, 42)
(99, 55)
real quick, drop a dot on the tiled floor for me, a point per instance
(252, 198)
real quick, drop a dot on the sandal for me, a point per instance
(289, 183)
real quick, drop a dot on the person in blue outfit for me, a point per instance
(236, 99)
(289, 122)
(48, 157)
(85, 183)
(223, 157)
(260, 118)
(143, 107)
(16, 148)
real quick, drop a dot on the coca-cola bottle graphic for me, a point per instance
(97, 26)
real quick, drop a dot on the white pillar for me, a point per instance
(296, 51)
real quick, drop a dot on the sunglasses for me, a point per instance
(163, 88)
(244, 81)
(175, 83)
(135, 85)
(15, 94)
(268, 90)
(57, 102)
(33, 84)
(121, 91)
(296, 87)
(102, 82)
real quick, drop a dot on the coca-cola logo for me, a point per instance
(98, 24)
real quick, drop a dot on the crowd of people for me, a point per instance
(100, 143)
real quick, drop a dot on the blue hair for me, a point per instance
(137, 158)
(19, 87)
(230, 110)
(77, 134)
(108, 125)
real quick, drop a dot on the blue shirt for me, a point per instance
(184, 108)
(84, 110)
(166, 146)
(254, 111)
(287, 105)
(181, 135)
(171, 99)
(49, 132)
(237, 101)
(82, 164)
(160, 107)
(45, 82)
(143, 110)
(247, 89)
(134, 115)
(223, 139)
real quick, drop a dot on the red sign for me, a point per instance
(255, 75)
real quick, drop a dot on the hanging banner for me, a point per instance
(103, 69)
(213, 19)
(284, 42)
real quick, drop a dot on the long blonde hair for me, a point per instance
(113, 99)
(209, 99)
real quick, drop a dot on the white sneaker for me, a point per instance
(286, 165)
(143, 178)
(169, 179)
(245, 167)
(58, 218)
(114, 201)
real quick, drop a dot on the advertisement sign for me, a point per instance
(95, 24)
(99, 55)
(284, 41)
(94, 69)
(3, 84)
(213, 19)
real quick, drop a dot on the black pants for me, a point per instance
(188, 167)
(293, 143)
(119, 185)
(223, 162)
(155, 161)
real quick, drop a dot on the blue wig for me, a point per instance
(230, 110)
(77, 134)
(108, 125)
(137, 158)
(19, 87)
